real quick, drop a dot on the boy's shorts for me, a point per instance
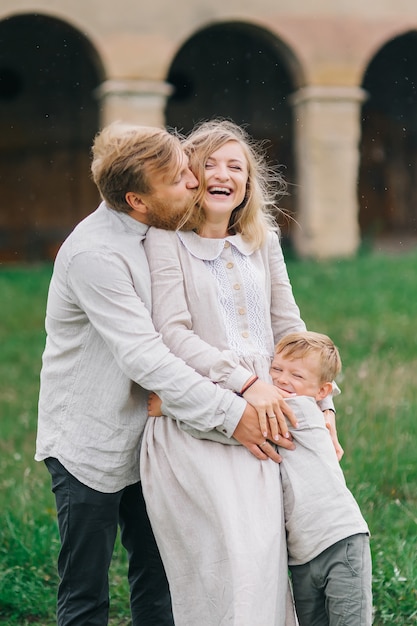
(336, 586)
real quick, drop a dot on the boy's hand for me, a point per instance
(272, 410)
(154, 405)
(330, 419)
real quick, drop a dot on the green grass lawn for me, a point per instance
(369, 307)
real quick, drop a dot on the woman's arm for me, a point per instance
(285, 314)
(174, 320)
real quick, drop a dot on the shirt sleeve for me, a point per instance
(102, 286)
(171, 315)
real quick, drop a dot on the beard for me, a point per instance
(160, 215)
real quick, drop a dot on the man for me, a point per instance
(102, 353)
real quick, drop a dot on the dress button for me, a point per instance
(241, 311)
(229, 265)
(236, 286)
(245, 334)
(226, 244)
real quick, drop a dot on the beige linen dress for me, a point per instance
(216, 510)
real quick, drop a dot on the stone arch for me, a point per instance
(244, 73)
(48, 117)
(388, 167)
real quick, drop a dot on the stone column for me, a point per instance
(133, 101)
(327, 127)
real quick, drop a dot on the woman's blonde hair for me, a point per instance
(125, 155)
(298, 345)
(255, 216)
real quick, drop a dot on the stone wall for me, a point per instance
(326, 47)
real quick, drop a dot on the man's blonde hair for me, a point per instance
(298, 345)
(125, 155)
(254, 217)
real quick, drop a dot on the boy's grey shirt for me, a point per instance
(319, 509)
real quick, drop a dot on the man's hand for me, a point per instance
(271, 408)
(248, 433)
(330, 419)
(154, 405)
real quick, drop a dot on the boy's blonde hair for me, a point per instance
(254, 217)
(123, 157)
(298, 345)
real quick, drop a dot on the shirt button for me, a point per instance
(241, 311)
(245, 334)
(226, 244)
(236, 286)
(229, 265)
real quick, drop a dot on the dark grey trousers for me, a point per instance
(88, 522)
(335, 588)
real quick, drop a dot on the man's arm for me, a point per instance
(246, 432)
(102, 286)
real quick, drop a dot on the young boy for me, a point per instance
(328, 539)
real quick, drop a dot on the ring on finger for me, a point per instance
(262, 444)
(271, 417)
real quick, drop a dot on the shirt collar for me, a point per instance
(129, 222)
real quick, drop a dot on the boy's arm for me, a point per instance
(329, 412)
(330, 419)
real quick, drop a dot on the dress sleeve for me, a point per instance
(285, 314)
(173, 319)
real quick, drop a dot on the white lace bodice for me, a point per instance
(252, 297)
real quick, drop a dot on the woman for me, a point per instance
(221, 299)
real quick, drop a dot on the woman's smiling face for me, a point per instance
(226, 177)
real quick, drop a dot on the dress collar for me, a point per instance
(209, 249)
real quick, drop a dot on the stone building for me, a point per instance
(331, 87)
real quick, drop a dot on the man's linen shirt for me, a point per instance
(102, 353)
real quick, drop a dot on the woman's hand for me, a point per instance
(271, 408)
